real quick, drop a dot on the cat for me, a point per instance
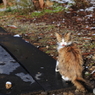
(70, 61)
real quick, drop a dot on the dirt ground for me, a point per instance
(40, 31)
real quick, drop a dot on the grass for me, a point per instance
(43, 12)
(54, 9)
(2, 13)
(27, 9)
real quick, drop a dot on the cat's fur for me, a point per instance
(69, 63)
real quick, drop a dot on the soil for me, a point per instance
(40, 31)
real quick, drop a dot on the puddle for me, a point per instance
(7, 63)
(38, 75)
(25, 77)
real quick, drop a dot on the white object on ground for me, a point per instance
(94, 91)
(17, 35)
(8, 85)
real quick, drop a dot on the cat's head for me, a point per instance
(64, 40)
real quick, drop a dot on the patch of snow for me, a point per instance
(27, 41)
(63, 1)
(89, 9)
(87, 67)
(4, 9)
(92, 2)
(37, 11)
(37, 46)
(17, 0)
(13, 26)
(93, 28)
(17, 35)
(79, 34)
(87, 26)
(80, 10)
(53, 22)
(58, 24)
(89, 16)
(8, 82)
(93, 72)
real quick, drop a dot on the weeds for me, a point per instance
(24, 6)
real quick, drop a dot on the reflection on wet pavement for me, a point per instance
(25, 77)
(7, 63)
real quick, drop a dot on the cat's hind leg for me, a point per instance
(79, 86)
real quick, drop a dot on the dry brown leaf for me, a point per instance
(49, 3)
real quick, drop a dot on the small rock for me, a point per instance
(47, 47)
(8, 85)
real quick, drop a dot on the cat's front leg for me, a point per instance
(56, 68)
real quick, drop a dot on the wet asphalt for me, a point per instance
(27, 68)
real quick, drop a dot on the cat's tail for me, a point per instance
(86, 84)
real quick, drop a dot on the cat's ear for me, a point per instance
(68, 35)
(58, 37)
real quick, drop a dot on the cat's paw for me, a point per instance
(56, 70)
(65, 78)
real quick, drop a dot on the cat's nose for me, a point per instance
(63, 44)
